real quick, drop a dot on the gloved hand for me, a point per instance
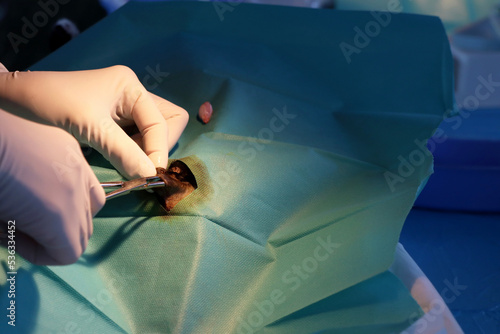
(48, 188)
(92, 105)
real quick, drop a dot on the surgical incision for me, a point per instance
(179, 183)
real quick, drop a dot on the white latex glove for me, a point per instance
(48, 188)
(92, 106)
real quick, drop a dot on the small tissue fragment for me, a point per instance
(205, 112)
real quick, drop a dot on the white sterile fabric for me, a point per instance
(438, 318)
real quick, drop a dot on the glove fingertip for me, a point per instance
(146, 168)
(159, 159)
(97, 198)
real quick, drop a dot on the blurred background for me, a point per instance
(50, 23)
(454, 230)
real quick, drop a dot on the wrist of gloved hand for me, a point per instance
(48, 189)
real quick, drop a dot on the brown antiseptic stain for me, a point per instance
(184, 177)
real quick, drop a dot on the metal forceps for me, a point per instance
(125, 187)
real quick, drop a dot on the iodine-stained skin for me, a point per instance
(179, 183)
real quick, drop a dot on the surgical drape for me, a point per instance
(306, 172)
